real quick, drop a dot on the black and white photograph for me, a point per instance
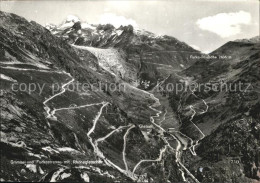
(130, 91)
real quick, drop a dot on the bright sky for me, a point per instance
(203, 24)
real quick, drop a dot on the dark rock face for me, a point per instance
(106, 135)
(231, 146)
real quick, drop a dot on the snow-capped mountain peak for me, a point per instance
(72, 18)
(69, 22)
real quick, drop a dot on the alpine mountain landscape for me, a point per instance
(83, 102)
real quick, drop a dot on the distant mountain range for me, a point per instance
(146, 56)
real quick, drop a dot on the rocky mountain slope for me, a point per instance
(229, 86)
(52, 130)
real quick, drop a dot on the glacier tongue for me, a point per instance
(109, 59)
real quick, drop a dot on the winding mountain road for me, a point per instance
(47, 108)
(123, 153)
